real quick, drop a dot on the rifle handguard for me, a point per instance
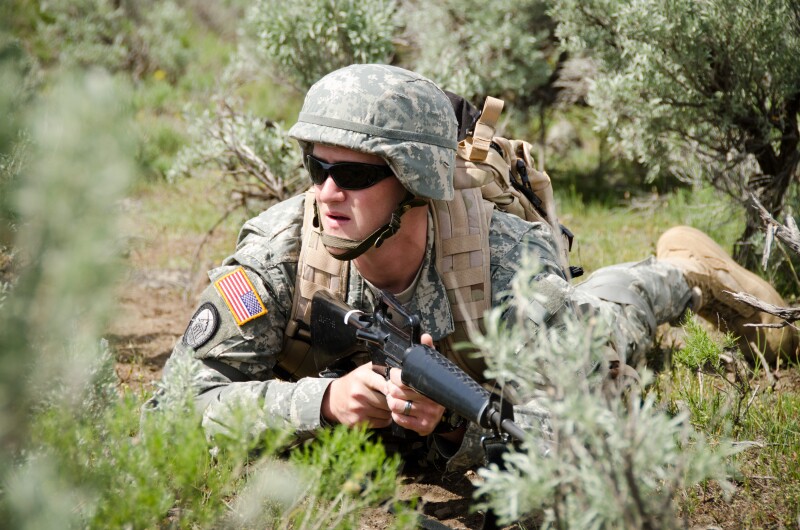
(435, 376)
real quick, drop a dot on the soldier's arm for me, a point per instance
(235, 360)
(235, 336)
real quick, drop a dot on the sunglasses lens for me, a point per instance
(346, 175)
(316, 171)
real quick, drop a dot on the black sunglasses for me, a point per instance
(346, 175)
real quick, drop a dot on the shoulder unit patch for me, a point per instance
(240, 296)
(202, 327)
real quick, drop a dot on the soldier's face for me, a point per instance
(354, 214)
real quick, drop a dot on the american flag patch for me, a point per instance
(240, 296)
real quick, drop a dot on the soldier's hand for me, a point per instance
(411, 409)
(357, 397)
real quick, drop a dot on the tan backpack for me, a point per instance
(505, 172)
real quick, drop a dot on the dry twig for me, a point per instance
(788, 233)
(789, 314)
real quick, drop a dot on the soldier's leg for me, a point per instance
(708, 267)
(636, 298)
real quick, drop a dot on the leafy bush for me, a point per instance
(257, 153)
(702, 90)
(142, 38)
(305, 41)
(503, 48)
(610, 463)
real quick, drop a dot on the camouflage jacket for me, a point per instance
(236, 362)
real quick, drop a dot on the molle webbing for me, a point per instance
(461, 230)
(461, 227)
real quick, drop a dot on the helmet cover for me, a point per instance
(390, 112)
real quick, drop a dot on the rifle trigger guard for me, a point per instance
(349, 314)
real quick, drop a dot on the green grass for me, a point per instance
(172, 221)
(160, 473)
(628, 229)
(764, 422)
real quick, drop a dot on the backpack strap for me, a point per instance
(485, 129)
(461, 228)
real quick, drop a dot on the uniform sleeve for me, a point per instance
(512, 241)
(237, 332)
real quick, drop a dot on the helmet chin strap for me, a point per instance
(352, 248)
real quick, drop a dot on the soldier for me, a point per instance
(379, 145)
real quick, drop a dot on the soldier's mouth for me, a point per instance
(335, 220)
(334, 216)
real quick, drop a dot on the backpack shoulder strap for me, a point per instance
(461, 228)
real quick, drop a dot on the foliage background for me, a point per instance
(124, 118)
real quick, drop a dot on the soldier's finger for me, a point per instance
(395, 377)
(422, 424)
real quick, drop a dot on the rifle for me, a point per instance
(392, 337)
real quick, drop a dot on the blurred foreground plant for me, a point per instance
(65, 200)
(612, 462)
(73, 452)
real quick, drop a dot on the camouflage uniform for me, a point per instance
(236, 362)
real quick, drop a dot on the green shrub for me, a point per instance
(701, 90)
(700, 350)
(141, 38)
(502, 48)
(256, 153)
(304, 41)
(608, 462)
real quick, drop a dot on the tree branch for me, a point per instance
(788, 234)
(789, 314)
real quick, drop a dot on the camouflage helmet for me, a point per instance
(390, 112)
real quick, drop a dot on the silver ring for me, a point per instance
(407, 410)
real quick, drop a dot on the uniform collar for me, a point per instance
(430, 300)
